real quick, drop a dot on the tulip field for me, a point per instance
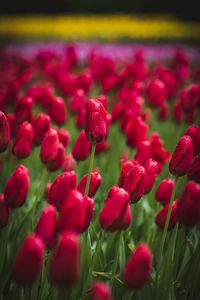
(99, 171)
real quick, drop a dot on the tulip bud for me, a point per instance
(151, 170)
(136, 131)
(163, 112)
(17, 187)
(69, 163)
(77, 102)
(61, 187)
(89, 204)
(95, 121)
(64, 137)
(49, 146)
(4, 132)
(46, 226)
(4, 212)
(72, 213)
(24, 140)
(81, 148)
(157, 92)
(162, 216)
(95, 182)
(12, 124)
(41, 125)
(138, 268)
(188, 210)
(194, 132)
(65, 262)
(23, 111)
(143, 152)
(194, 173)
(116, 214)
(181, 160)
(100, 291)
(132, 179)
(47, 189)
(164, 191)
(28, 262)
(58, 110)
(57, 162)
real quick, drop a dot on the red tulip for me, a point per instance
(77, 102)
(100, 291)
(138, 268)
(89, 205)
(157, 92)
(57, 162)
(65, 262)
(194, 132)
(61, 187)
(28, 262)
(188, 210)
(17, 187)
(69, 163)
(12, 124)
(136, 131)
(194, 173)
(181, 160)
(24, 140)
(46, 225)
(81, 148)
(151, 170)
(95, 182)
(4, 132)
(23, 111)
(4, 212)
(41, 125)
(143, 152)
(164, 191)
(95, 121)
(162, 216)
(64, 137)
(58, 110)
(49, 146)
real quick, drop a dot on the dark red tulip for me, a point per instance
(77, 102)
(132, 179)
(95, 121)
(151, 170)
(89, 205)
(65, 262)
(189, 98)
(95, 182)
(138, 268)
(17, 187)
(164, 191)
(100, 291)
(4, 212)
(194, 132)
(57, 162)
(64, 136)
(162, 216)
(28, 262)
(181, 160)
(143, 152)
(136, 131)
(47, 189)
(163, 112)
(188, 210)
(157, 92)
(41, 125)
(12, 124)
(116, 214)
(69, 163)
(81, 148)
(61, 187)
(4, 132)
(23, 111)
(46, 225)
(102, 147)
(49, 146)
(194, 173)
(58, 110)
(24, 140)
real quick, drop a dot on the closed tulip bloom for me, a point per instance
(28, 262)
(81, 148)
(65, 262)
(4, 132)
(46, 225)
(164, 191)
(181, 160)
(162, 216)
(189, 98)
(64, 136)
(58, 111)
(194, 173)
(89, 205)
(188, 211)
(61, 187)
(136, 131)
(69, 163)
(151, 170)
(194, 132)
(102, 147)
(12, 124)
(4, 212)
(16, 189)
(132, 179)
(23, 111)
(116, 214)
(95, 121)
(138, 268)
(47, 189)
(57, 162)
(100, 291)
(77, 102)
(24, 140)
(41, 125)
(49, 146)
(143, 152)
(157, 92)
(72, 213)
(95, 182)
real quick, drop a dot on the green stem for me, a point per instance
(115, 263)
(166, 227)
(38, 195)
(90, 168)
(21, 293)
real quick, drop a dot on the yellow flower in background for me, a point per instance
(107, 27)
